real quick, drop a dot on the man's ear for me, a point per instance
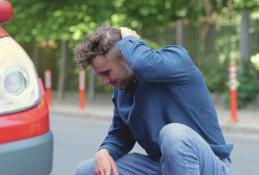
(118, 54)
(115, 55)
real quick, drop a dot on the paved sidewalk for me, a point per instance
(102, 108)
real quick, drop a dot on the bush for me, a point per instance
(248, 84)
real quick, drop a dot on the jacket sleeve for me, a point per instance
(119, 140)
(171, 63)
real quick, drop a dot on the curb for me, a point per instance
(100, 115)
(86, 114)
(239, 129)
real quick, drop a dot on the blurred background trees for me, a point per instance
(215, 32)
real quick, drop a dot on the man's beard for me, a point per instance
(131, 84)
(130, 80)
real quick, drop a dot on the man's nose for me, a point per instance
(106, 80)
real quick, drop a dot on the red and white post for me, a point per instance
(48, 86)
(82, 89)
(233, 93)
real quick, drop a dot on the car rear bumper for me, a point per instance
(31, 156)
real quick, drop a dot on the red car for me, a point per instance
(26, 142)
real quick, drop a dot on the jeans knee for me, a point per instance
(173, 135)
(86, 167)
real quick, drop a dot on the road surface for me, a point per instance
(77, 139)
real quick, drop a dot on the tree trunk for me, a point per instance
(92, 84)
(208, 33)
(180, 32)
(62, 69)
(244, 35)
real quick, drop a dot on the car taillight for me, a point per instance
(19, 87)
(6, 11)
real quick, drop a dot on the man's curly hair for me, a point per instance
(98, 43)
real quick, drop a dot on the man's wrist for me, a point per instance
(104, 150)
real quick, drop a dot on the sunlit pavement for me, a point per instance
(77, 139)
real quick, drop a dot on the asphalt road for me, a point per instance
(77, 139)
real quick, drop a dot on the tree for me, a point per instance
(245, 7)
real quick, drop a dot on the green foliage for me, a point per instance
(248, 84)
(215, 76)
(246, 4)
(36, 20)
(42, 21)
(50, 21)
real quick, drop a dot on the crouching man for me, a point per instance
(160, 101)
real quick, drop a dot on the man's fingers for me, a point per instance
(104, 172)
(114, 169)
(103, 169)
(127, 31)
(107, 172)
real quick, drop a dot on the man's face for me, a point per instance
(113, 71)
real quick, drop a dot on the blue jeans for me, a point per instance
(184, 152)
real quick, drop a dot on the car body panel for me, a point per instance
(31, 156)
(13, 58)
(26, 141)
(25, 124)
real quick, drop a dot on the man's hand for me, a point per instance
(105, 164)
(127, 31)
